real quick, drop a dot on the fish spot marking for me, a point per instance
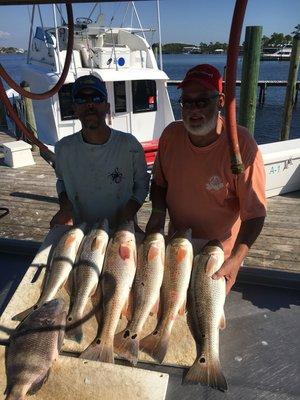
(181, 253)
(134, 336)
(152, 253)
(126, 334)
(96, 243)
(69, 241)
(124, 252)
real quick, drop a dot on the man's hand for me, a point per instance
(156, 222)
(62, 217)
(229, 270)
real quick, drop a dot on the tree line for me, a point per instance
(275, 40)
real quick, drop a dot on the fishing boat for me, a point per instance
(121, 57)
(283, 54)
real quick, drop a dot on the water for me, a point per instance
(268, 118)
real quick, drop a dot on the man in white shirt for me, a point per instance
(102, 173)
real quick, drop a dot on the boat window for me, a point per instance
(65, 102)
(144, 96)
(120, 97)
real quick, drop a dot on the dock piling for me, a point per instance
(249, 81)
(290, 95)
(29, 114)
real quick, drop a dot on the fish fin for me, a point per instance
(15, 393)
(22, 315)
(182, 308)
(155, 345)
(99, 351)
(222, 324)
(207, 373)
(36, 386)
(126, 345)
(155, 308)
(210, 267)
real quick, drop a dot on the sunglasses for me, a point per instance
(89, 99)
(201, 102)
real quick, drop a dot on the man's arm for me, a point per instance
(64, 216)
(248, 233)
(157, 218)
(129, 211)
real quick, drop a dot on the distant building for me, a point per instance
(192, 49)
(218, 51)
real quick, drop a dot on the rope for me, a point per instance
(55, 89)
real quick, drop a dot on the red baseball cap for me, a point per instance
(205, 74)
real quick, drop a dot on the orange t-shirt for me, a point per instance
(202, 192)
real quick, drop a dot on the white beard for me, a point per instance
(201, 130)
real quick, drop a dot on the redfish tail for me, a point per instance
(99, 351)
(126, 345)
(155, 345)
(206, 372)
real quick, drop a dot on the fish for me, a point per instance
(116, 282)
(61, 265)
(86, 272)
(177, 272)
(33, 348)
(205, 314)
(145, 295)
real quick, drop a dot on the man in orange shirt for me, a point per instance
(192, 175)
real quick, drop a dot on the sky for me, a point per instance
(184, 21)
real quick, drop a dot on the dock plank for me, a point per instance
(30, 195)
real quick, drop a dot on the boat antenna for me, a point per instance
(57, 38)
(63, 21)
(93, 9)
(42, 25)
(125, 14)
(30, 34)
(137, 17)
(159, 35)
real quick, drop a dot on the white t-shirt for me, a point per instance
(100, 179)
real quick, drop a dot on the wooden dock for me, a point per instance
(30, 195)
